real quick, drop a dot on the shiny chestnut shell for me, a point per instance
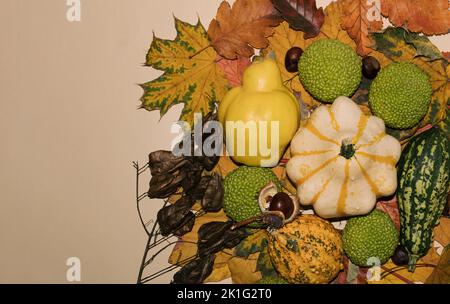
(282, 202)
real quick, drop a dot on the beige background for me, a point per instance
(70, 128)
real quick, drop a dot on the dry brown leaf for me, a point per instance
(359, 19)
(432, 257)
(279, 171)
(392, 274)
(236, 31)
(441, 232)
(225, 166)
(425, 16)
(302, 15)
(220, 270)
(243, 270)
(446, 55)
(441, 274)
(390, 207)
(233, 69)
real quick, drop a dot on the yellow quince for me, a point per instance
(260, 117)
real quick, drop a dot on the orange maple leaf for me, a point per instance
(359, 19)
(391, 208)
(233, 69)
(236, 31)
(425, 16)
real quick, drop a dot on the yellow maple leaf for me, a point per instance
(441, 232)
(221, 271)
(191, 75)
(243, 270)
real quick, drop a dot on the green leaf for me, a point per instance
(423, 46)
(252, 244)
(264, 264)
(401, 135)
(191, 75)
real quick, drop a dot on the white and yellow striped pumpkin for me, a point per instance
(342, 160)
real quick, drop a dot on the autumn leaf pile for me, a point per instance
(200, 65)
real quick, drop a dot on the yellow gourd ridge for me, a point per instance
(342, 160)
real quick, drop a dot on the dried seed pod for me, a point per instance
(210, 191)
(207, 162)
(193, 176)
(173, 217)
(162, 186)
(215, 236)
(234, 237)
(196, 271)
(213, 115)
(210, 237)
(213, 230)
(199, 191)
(212, 200)
(163, 162)
(187, 224)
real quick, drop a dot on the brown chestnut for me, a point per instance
(291, 59)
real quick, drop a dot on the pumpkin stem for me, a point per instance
(412, 262)
(347, 149)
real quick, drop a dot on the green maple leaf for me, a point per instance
(264, 264)
(257, 242)
(253, 243)
(191, 75)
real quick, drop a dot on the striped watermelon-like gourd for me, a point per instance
(424, 182)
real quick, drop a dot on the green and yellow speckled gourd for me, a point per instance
(307, 250)
(424, 182)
